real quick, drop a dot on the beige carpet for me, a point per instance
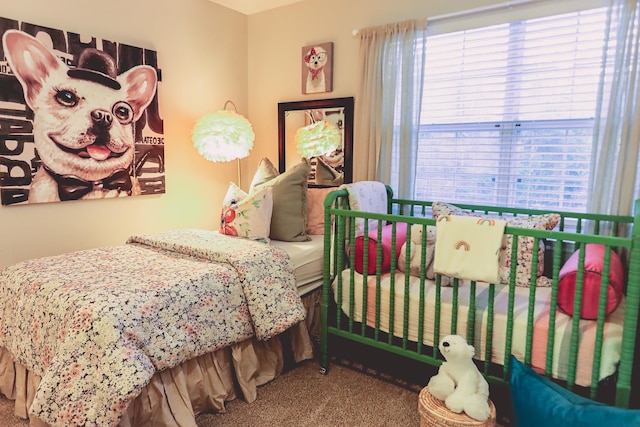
(304, 397)
(7, 419)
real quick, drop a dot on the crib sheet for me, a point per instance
(612, 330)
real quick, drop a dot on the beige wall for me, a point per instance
(208, 54)
(276, 38)
(202, 51)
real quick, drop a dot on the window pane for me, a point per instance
(507, 115)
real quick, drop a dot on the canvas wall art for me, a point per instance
(79, 117)
(317, 68)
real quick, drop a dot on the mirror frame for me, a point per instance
(347, 103)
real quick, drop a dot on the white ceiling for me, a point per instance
(249, 7)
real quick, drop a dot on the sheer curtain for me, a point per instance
(392, 64)
(617, 129)
(388, 114)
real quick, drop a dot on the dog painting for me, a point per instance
(317, 68)
(83, 122)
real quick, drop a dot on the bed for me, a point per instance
(565, 299)
(168, 325)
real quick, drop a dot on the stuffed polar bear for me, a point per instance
(416, 252)
(458, 382)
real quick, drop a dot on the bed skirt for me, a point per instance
(175, 396)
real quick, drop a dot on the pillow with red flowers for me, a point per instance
(247, 215)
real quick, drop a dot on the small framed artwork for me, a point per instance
(317, 68)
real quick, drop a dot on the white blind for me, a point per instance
(507, 113)
(509, 11)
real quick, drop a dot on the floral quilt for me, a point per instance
(97, 324)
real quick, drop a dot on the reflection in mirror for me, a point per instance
(302, 131)
(318, 134)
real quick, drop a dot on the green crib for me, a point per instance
(406, 313)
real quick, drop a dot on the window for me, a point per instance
(508, 112)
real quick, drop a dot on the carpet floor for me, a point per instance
(348, 395)
(305, 397)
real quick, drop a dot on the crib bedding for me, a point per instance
(612, 328)
(612, 336)
(598, 356)
(307, 260)
(95, 326)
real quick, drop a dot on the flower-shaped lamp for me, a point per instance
(223, 136)
(317, 138)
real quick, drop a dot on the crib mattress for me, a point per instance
(307, 261)
(612, 330)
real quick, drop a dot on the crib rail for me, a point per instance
(386, 307)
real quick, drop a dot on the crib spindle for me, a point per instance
(532, 301)
(510, 306)
(602, 309)
(471, 314)
(553, 306)
(575, 321)
(454, 309)
(437, 314)
(423, 273)
(489, 331)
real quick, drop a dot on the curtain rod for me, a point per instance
(490, 8)
(462, 13)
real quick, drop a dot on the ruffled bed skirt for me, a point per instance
(175, 396)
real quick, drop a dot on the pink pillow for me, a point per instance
(315, 209)
(593, 261)
(372, 249)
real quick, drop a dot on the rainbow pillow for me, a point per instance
(524, 253)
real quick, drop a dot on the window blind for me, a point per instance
(507, 112)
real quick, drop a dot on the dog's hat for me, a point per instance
(97, 66)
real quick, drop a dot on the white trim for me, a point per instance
(506, 12)
(495, 14)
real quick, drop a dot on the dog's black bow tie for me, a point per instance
(70, 187)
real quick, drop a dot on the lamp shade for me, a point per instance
(223, 136)
(317, 138)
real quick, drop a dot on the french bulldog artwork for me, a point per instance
(84, 118)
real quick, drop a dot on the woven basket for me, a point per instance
(434, 413)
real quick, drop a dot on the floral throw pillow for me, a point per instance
(247, 215)
(525, 244)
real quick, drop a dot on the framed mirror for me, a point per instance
(334, 165)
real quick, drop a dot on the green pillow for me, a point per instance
(538, 401)
(326, 175)
(266, 172)
(289, 215)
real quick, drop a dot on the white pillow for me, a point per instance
(247, 215)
